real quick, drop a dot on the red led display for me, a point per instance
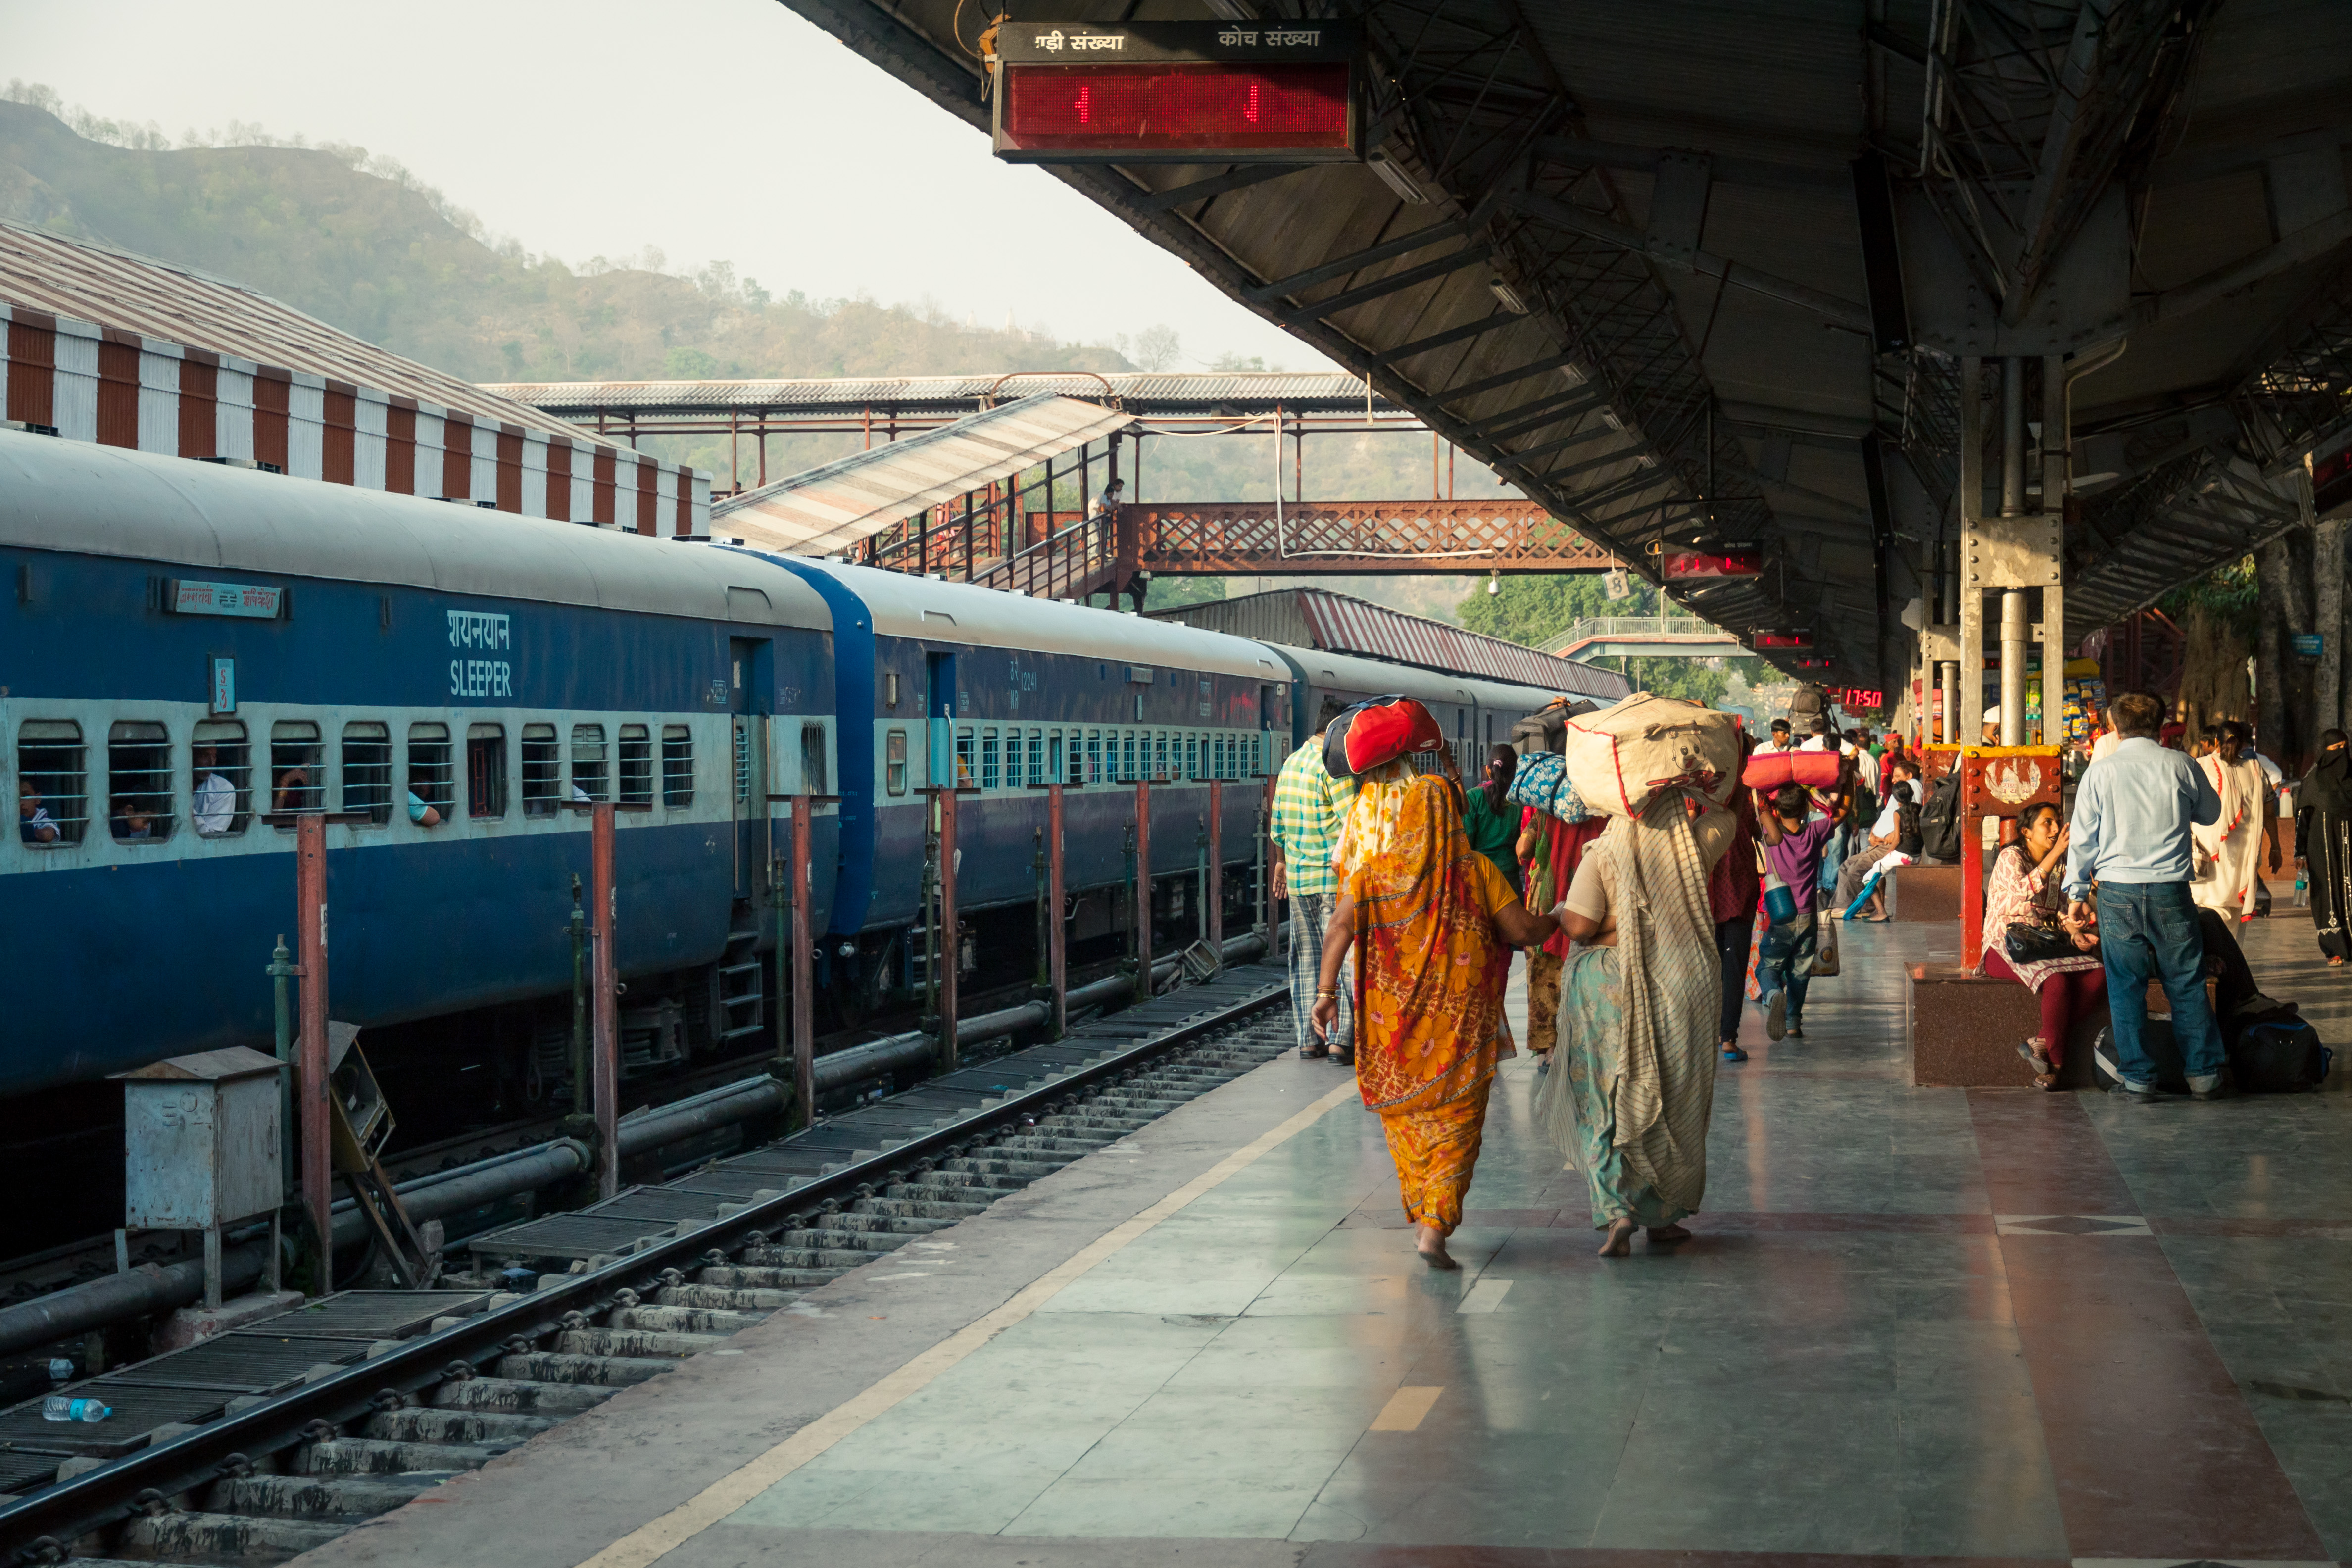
(1784, 639)
(1687, 565)
(1168, 108)
(1856, 699)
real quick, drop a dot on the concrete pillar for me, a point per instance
(2014, 641)
(2327, 619)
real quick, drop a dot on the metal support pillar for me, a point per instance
(604, 999)
(804, 964)
(1056, 944)
(310, 911)
(1269, 853)
(1964, 725)
(1142, 891)
(1216, 889)
(2013, 641)
(949, 941)
(2012, 436)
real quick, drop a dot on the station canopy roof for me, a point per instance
(1143, 393)
(1680, 270)
(831, 509)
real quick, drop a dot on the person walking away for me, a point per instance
(1309, 807)
(2023, 892)
(2228, 852)
(2132, 814)
(2323, 843)
(1733, 887)
(1629, 1102)
(1432, 922)
(1488, 819)
(1794, 836)
(1551, 846)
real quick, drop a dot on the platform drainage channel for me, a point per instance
(326, 1417)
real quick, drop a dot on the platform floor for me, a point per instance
(1989, 1324)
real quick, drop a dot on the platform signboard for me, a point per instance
(1275, 91)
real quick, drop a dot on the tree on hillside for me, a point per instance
(1157, 348)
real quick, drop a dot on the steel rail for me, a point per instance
(59, 1515)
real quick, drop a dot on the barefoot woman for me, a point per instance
(1434, 923)
(1638, 1003)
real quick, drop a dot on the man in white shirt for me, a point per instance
(1866, 767)
(1819, 740)
(1779, 740)
(215, 797)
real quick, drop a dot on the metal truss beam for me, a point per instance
(1466, 537)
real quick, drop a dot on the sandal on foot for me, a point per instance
(2034, 1058)
(1732, 1053)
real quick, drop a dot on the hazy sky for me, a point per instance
(711, 129)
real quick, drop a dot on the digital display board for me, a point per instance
(1185, 92)
(1731, 560)
(1784, 639)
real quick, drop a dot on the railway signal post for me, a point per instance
(606, 1047)
(1215, 892)
(803, 983)
(1057, 948)
(1143, 890)
(311, 902)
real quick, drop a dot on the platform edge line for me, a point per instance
(651, 1541)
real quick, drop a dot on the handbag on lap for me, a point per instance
(2026, 942)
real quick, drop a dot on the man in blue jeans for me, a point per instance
(2130, 835)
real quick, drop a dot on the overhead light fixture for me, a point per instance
(1407, 190)
(1508, 297)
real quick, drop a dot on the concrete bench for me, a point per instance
(1923, 893)
(1962, 1031)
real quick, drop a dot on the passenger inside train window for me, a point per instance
(894, 762)
(296, 772)
(486, 771)
(542, 771)
(367, 769)
(635, 757)
(432, 775)
(220, 779)
(139, 781)
(678, 766)
(33, 823)
(590, 779)
(964, 779)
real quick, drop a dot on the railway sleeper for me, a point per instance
(347, 1500)
(634, 1342)
(416, 1424)
(519, 1395)
(864, 1221)
(730, 1277)
(610, 1374)
(722, 1297)
(231, 1540)
(999, 1166)
(898, 1205)
(687, 1320)
(1101, 1122)
(840, 1260)
(828, 1239)
(974, 1198)
(1048, 1147)
(375, 1456)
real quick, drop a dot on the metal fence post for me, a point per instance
(1057, 976)
(282, 968)
(606, 1003)
(948, 940)
(1143, 890)
(803, 977)
(311, 902)
(1216, 890)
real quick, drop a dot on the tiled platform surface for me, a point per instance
(1915, 1323)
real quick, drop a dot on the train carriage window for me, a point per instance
(894, 762)
(298, 767)
(1094, 756)
(1013, 758)
(432, 774)
(989, 776)
(52, 785)
(1219, 771)
(591, 774)
(1054, 758)
(220, 778)
(1127, 766)
(963, 760)
(1037, 757)
(367, 769)
(678, 766)
(812, 768)
(1160, 769)
(1192, 756)
(632, 761)
(137, 782)
(486, 771)
(542, 771)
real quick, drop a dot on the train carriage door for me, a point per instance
(749, 698)
(939, 709)
(1269, 755)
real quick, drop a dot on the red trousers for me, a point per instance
(2064, 998)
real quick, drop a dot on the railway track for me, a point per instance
(470, 1374)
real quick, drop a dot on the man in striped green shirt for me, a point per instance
(1308, 807)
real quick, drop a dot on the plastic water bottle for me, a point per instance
(1779, 904)
(2302, 888)
(60, 1407)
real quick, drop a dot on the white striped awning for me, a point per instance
(827, 510)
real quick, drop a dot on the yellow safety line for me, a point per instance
(650, 1543)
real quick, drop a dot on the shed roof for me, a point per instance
(1140, 392)
(95, 283)
(1337, 623)
(825, 509)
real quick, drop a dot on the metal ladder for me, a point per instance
(739, 994)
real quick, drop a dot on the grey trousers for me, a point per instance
(1310, 913)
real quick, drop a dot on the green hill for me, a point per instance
(359, 243)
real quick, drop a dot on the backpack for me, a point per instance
(1939, 819)
(2277, 1053)
(1546, 730)
(2163, 1052)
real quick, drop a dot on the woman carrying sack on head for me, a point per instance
(1432, 922)
(2028, 939)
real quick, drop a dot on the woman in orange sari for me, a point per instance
(1433, 922)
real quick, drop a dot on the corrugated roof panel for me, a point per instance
(835, 505)
(110, 288)
(1345, 624)
(1304, 391)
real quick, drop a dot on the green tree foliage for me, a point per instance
(1536, 610)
